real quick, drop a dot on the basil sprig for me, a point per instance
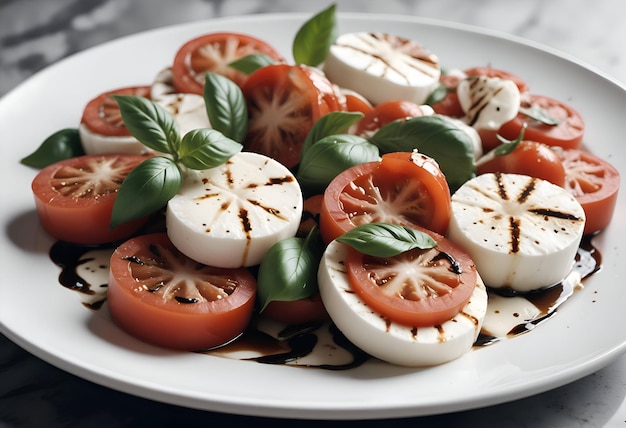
(250, 63)
(152, 183)
(63, 144)
(312, 41)
(385, 239)
(288, 270)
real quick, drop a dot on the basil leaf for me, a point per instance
(506, 147)
(149, 123)
(251, 63)
(146, 189)
(226, 106)
(206, 148)
(385, 239)
(433, 136)
(332, 123)
(437, 95)
(288, 270)
(63, 144)
(540, 115)
(329, 156)
(314, 38)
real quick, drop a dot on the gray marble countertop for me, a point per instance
(37, 33)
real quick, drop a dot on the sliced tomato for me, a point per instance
(162, 297)
(595, 184)
(353, 101)
(568, 133)
(529, 158)
(387, 112)
(284, 101)
(102, 115)
(310, 214)
(74, 198)
(300, 311)
(214, 52)
(418, 288)
(403, 188)
(450, 105)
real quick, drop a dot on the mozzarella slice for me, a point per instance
(96, 144)
(229, 216)
(488, 102)
(522, 232)
(188, 110)
(382, 67)
(389, 341)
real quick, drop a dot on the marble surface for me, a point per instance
(36, 33)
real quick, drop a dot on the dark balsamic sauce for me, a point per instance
(298, 341)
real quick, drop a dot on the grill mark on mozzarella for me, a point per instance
(480, 101)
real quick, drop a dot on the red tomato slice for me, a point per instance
(353, 101)
(417, 288)
(567, 134)
(284, 101)
(387, 112)
(164, 298)
(595, 184)
(213, 52)
(403, 188)
(450, 105)
(74, 198)
(529, 158)
(310, 214)
(102, 114)
(300, 311)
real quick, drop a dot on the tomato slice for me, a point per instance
(387, 112)
(74, 198)
(417, 288)
(284, 101)
(595, 183)
(529, 158)
(214, 52)
(301, 311)
(310, 214)
(102, 115)
(403, 188)
(568, 133)
(162, 297)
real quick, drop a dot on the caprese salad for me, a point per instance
(359, 185)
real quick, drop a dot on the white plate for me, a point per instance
(47, 320)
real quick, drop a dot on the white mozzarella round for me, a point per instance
(382, 67)
(488, 102)
(523, 233)
(389, 341)
(96, 144)
(230, 215)
(188, 110)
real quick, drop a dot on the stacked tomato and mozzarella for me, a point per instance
(505, 228)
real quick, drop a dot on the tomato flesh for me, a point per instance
(160, 296)
(387, 112)
(417, 288)
(74, 198)
(595, 183)
(301, 311)
(403, 188)
(284, 101)
(529, 158)
(102, 114)
(214, 52)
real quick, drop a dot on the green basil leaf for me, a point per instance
(504, 148)
(385, 239)
(206, 148)
(540, 115)
(314, 38)
(146, 189)
(226, 106)
(288, 270)
(331, 155)
(251, 63)
(437, 95)
(336, 122)
(63, 144)
(433, 136)
(149, 123)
